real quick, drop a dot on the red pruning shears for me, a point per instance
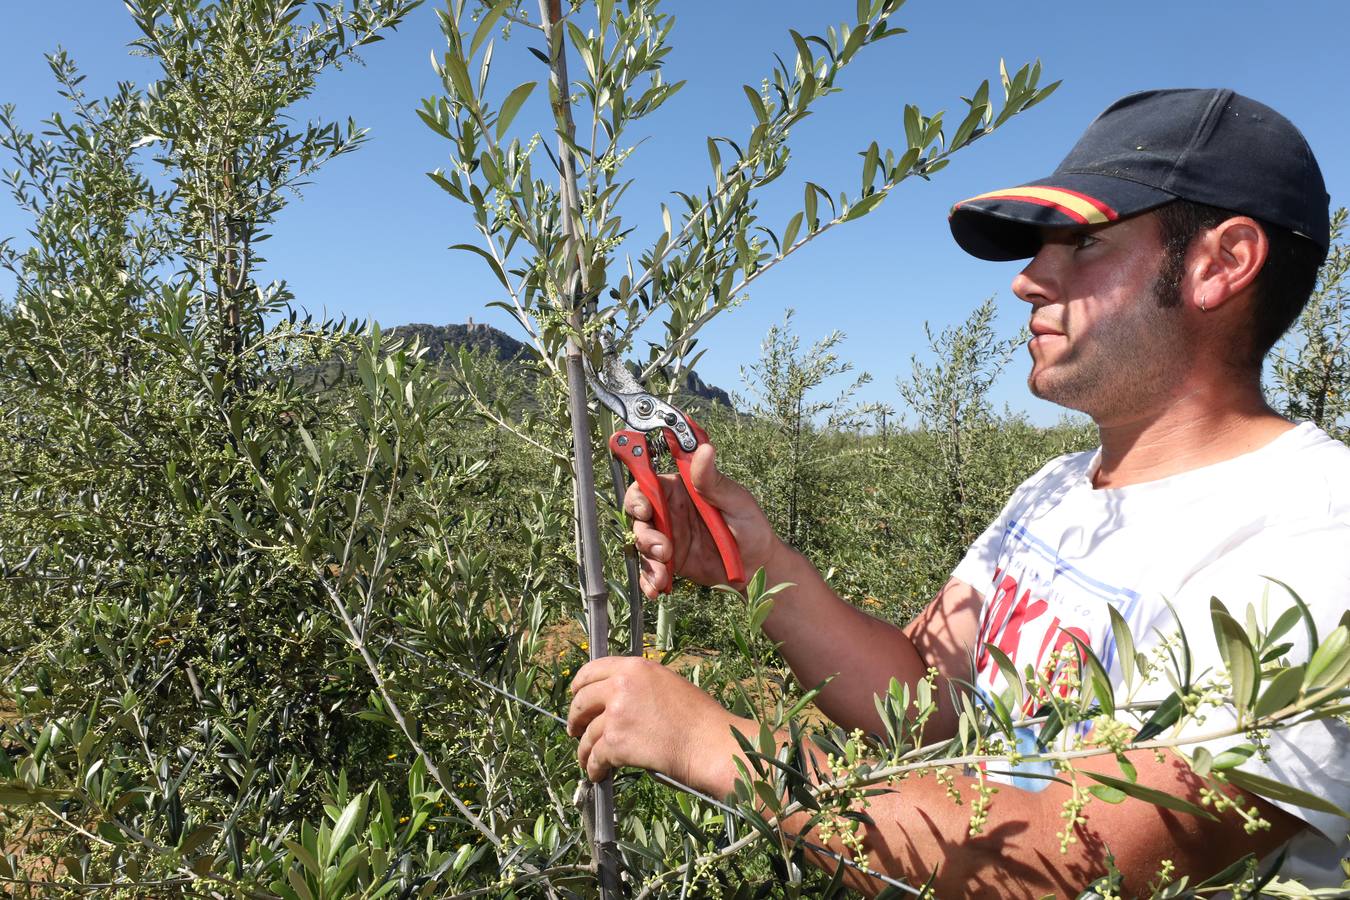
(655, 425)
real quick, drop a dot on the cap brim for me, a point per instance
(1006, 224)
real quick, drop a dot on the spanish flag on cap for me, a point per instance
(1079, 208)
(1005, 224)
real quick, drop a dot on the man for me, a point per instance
(1169, 251)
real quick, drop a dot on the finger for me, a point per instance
(656, 574)
(597, 670)
(586, 746)
(636, 504)
(587, 703)
(717, 488)
(598, 765)
(651, 542)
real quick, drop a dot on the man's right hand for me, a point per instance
(693, 554)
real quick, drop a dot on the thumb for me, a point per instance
(720, 490)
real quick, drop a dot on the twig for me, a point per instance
(488, 413)
(397, 713)
(917, 169)
(95, 885)
(656, 776)
(587, 870)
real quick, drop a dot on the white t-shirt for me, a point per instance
(1061, 551)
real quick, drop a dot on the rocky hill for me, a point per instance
(447, 340)
(444, 341)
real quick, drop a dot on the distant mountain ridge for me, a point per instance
(447, 340)
(444, 341)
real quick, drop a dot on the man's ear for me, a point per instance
(1225, 260)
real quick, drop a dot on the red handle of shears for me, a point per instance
(630, 447)
(712, 516)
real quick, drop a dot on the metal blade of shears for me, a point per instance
(618, 390)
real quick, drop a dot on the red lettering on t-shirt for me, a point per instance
(996, 610)
(1005, 623)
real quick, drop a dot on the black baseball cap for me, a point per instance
(1209, 146)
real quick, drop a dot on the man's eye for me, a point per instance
(1084, 240)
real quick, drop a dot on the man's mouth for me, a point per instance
(1039, 329)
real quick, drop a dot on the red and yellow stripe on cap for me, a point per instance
(1080, 207)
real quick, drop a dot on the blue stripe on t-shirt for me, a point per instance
(1123, 599)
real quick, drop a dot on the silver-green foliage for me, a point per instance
(792, 426)
(196, 549)
(1311, 366)
(707, 254)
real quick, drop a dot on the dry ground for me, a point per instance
(40, 870)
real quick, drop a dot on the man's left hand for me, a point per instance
(629, 711)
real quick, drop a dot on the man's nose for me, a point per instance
(1036, 282)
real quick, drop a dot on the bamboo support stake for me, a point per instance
(594, 588)
(636, 625)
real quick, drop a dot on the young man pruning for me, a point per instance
(1169, 251)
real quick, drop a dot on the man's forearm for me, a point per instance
(821, 636)
(913, 829)
(918, 828)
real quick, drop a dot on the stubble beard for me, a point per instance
(1122, 368)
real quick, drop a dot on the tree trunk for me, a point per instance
(595, 592)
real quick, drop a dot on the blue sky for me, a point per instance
(369, 236)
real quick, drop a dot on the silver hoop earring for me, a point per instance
(1204, 304)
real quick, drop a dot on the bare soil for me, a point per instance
(31, 865)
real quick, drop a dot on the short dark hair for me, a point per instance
(1282, 287)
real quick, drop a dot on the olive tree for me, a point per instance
(1312, 364)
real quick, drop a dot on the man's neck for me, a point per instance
(1196, 429)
